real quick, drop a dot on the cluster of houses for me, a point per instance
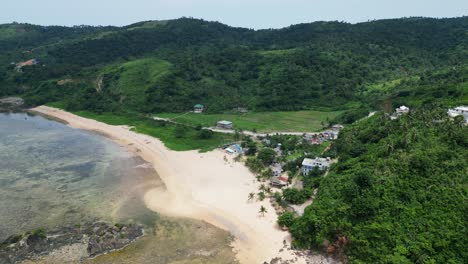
(223, 124)
(280, 180)
(317, 139)
(452, 112)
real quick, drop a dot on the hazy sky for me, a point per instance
(244, 13)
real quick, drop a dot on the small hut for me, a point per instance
(198, 108)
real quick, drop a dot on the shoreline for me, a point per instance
(205, 187)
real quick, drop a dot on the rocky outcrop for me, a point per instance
(11, 103)
(71, 243)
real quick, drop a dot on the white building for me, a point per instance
(224, 124)
(310, 164)
(402, 110)
(457, 111)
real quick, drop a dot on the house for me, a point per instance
(241, 110)
(235, 148)
(277, 169)
(337, 127)
(224, 124)
(402, 110)
(457, 111)
(310, 164)
(198, 108)
(229, 150)
(279, 181)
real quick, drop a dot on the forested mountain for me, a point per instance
(322, 65)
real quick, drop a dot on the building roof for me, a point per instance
(461, 108)
(403, 108)
(313, 162)
(230, 150)
(224, 122)
(198, 105)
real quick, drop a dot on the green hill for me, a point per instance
(315, 66)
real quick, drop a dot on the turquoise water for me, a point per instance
(51, 174)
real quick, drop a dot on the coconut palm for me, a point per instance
(263, 210)
(261, 196)
(251, 196)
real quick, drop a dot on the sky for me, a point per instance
(257, 14)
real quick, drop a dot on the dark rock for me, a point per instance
(100, 238)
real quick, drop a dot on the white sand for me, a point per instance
(202, 186)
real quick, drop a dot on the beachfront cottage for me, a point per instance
(457, 111)
(279, 181)
(198, 108)
(224, 124)
(310, 164)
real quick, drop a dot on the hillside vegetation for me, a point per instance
(397, 194)
(169, 66)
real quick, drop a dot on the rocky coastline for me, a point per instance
(69, 243)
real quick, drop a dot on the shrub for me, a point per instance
(286, 219)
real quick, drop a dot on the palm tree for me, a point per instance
(262, 187)
(261, 196)
(263, 210)
(251, 196)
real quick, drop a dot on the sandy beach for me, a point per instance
(202, 186)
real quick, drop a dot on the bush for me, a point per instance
(286, 219)
(296, 196)
(205, 134)
(179, 131)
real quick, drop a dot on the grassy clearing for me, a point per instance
(301, 121)
(165, 132)
(133, 78)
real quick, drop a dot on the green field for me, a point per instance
(164, 132)
(301, 121)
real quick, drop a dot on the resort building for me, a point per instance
(224, 124)
(457, 111)
(310, 164)
(198, 108)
